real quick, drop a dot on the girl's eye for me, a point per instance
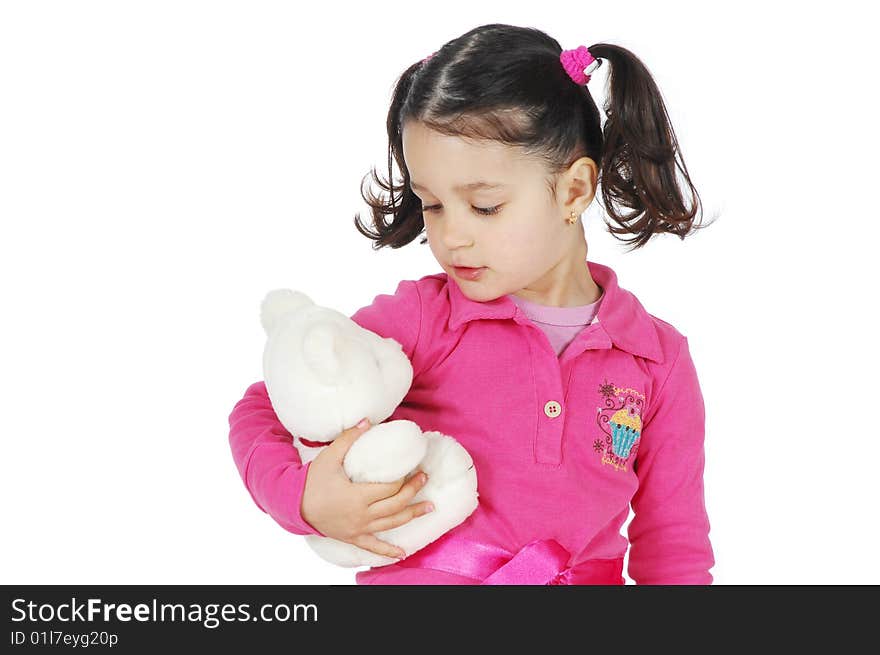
(485, 211)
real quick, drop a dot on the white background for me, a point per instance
(164, 164)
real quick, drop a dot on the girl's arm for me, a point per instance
(267, 461)
(669, 533)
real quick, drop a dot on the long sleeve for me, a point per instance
(669, 532)
(397, 316)
(267, 461)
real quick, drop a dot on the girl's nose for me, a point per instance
(454, 236)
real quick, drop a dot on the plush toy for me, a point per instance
(323, 373)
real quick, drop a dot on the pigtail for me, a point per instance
(507, 84)
(402, 204)
(640, 154)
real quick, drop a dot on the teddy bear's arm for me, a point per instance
(267, 461)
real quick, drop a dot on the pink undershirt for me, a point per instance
(560, 324)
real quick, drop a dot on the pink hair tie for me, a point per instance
(428, 57)
(579, 64)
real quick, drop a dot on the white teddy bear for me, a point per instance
(323, 373)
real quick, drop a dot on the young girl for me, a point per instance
(573, 401)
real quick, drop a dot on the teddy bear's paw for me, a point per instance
(453, 501)
(446, 459)
(386, 452)
(345, 554)
(451, 487)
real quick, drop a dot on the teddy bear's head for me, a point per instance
(323, 371)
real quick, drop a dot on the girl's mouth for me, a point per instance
(467, 273)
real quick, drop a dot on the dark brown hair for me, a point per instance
(505, 83)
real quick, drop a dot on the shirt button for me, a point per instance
(552, 408)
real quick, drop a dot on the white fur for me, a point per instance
(323, 373)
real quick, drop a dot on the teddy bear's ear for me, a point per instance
(321, 351)
(281, 302)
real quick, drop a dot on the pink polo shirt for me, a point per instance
(564, 442)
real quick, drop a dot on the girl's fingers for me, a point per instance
(375, 545)
(376, 491)
(395, 520)
(399, 500)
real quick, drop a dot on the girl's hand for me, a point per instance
(353, 511)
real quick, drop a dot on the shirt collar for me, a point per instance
(620, 313)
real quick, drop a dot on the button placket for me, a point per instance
(547, 377)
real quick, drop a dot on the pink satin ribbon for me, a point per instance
(542, 562)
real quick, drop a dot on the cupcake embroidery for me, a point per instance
(620, 418)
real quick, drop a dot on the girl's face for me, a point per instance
(515, 230)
